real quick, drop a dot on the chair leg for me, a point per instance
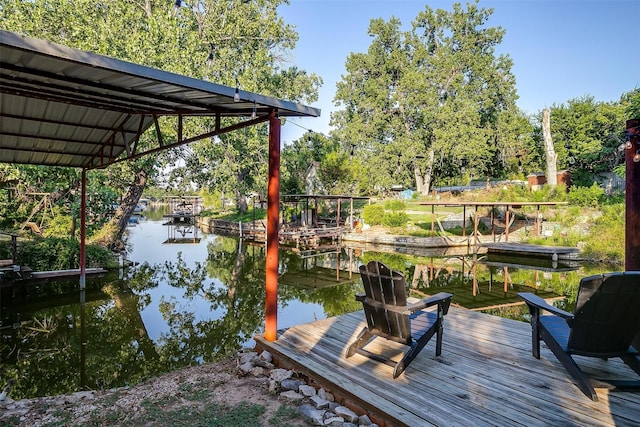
(579, 378)
(439, 331)
(408, 358)
(632, 361)
(363, 337)
(416, 347)
(535, 334)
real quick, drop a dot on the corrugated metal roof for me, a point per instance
(65, 107)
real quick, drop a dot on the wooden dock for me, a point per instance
(486, 376)
(551, 252)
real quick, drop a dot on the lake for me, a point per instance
(191, 297)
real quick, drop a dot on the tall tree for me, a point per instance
(586, 136)
(227, 41)
(423, 104)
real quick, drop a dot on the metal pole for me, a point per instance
(506, 239)
(273, 211)
(632, 198)
(83, 229)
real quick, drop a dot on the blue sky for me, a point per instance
(561, 49)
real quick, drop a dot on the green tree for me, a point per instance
(423, 104)
(227, 41)
(587, 135)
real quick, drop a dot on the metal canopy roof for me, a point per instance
(61, 106)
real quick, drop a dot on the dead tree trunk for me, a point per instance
(549, 150)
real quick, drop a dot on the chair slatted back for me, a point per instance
(386, 287)
(607, 314)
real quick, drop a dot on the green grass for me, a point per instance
(284, 415)
(190, 413)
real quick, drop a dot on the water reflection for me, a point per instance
(180, 305)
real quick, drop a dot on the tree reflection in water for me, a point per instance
(154, 319)
(163, 316)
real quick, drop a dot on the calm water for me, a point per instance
(192, 297)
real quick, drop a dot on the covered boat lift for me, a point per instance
(61, 106)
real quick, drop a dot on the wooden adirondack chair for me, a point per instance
(388, 316)
(604, 324)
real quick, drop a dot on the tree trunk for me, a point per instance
(112, 238)
(241, 202)
(549, 150)
(423, 182)
(417, 175)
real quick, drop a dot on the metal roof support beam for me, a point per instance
(218, 131)
(158, 132)
(273, 220)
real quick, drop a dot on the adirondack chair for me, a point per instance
(388, 316)
(604, 324)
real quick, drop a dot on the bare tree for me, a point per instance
(549, 151)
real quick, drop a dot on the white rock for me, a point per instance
(291, 384)
(364, 420)
(247, 357)
(266, 356)
(262, 363)
(280, 374)
(346, 413)
(258, 371)
(319, 403)
(245, 368)
(316, 416)
(334, 421)
(307, 390)
(291, 396)
(322, 393)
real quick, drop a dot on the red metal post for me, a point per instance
(83, 229)
(632, 198)
(273, 212)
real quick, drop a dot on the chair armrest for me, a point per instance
(443, 298)
(536, 303)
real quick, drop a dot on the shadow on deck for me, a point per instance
(485, 376)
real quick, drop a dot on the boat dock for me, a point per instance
(485, 376)
(554, 253)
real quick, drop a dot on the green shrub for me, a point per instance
(395, 219)
(394, 205)
(5, 250)
(60, 254)
(586, 196)
(373, 214)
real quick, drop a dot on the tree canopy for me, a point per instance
(432, 100)
(230, 42)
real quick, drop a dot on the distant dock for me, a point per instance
(554, 253)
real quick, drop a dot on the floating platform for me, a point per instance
(521, 249)
(485, 376)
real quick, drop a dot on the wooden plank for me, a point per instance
(485, 376)
(474, 386)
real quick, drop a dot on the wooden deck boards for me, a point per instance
(486, 375)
